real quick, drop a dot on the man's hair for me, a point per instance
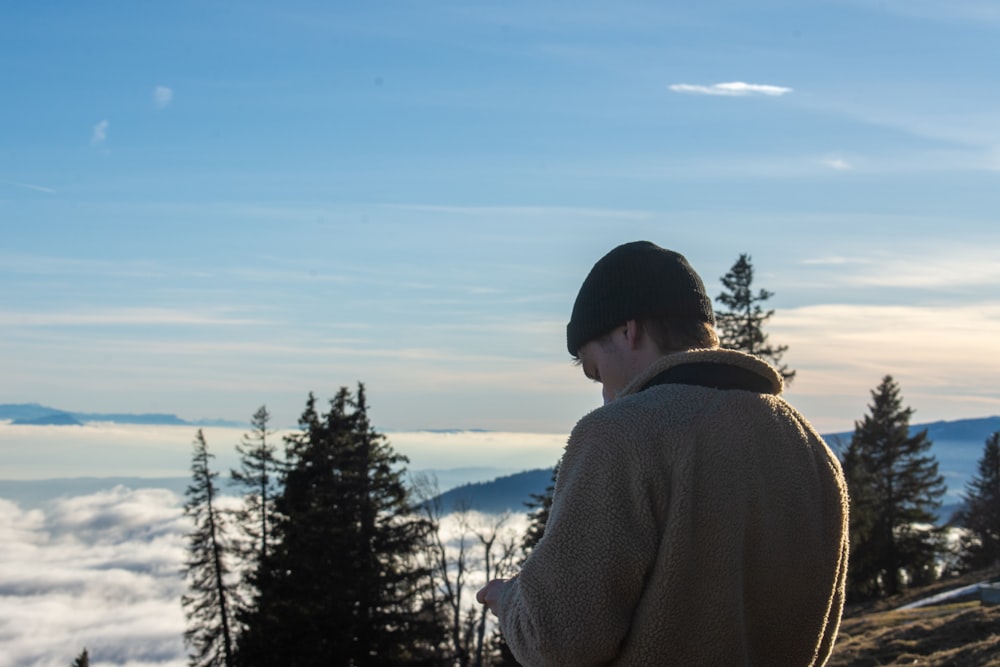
(671, 334)
(676, 335)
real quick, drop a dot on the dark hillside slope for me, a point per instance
(509, 493)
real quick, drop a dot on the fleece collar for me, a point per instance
(720, 369)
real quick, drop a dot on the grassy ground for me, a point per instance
(956, 634)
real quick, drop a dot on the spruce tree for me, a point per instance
(257, 477)
(82, 660)
(894, 487)
(208, 603)
(741, 319)
(342, 585)
(981, 512)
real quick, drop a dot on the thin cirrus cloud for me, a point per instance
(731, 89)
(961, 267)
(838, 164)
(525, 211)
(99, 134)
(162, 96)
(28, 186)
(978, 11)
(844, 348)
(124, 316)
(869, 340)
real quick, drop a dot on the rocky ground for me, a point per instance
(957, 633)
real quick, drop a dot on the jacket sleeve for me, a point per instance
(572, 602)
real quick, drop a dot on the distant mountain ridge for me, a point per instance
(939, 431)
(35, 414)
(957, 446)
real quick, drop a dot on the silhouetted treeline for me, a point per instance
(330, 560)
(333, 559)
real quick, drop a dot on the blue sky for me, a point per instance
(206, 207)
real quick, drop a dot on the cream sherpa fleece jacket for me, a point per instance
(689, 526)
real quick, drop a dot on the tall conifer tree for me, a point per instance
(208, 604)
(342, 585)
(894, 488)
(741, 319)
(82, 660)
(257, 477)
(981, 513)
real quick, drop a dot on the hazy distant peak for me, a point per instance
(37, 414)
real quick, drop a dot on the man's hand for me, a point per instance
(489, 594)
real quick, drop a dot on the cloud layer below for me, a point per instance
(104, 572)
(124, 450)
(101, 572)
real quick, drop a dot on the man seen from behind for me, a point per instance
(697, 519)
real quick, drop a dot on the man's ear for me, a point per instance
(633, 333)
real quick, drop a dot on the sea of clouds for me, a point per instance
(101, 572)
(104, 571)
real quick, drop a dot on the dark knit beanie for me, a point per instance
(634, 281)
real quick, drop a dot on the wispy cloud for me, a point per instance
(949, 112)
(731, 89)
(526, 211)
(977, 11)
(162, 96)
(28, 186)
(99, 134)
(843, 349)
(944, 271)
(838, 164)
(122, 316)
(836, 260)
